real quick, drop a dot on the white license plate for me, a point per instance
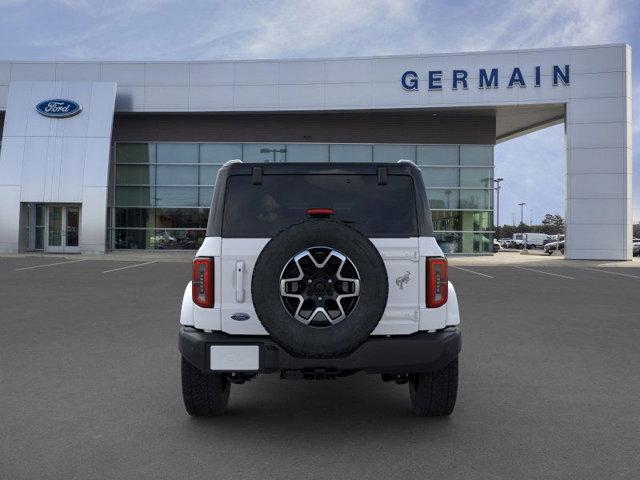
(234, 358)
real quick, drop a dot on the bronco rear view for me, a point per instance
(316, 271)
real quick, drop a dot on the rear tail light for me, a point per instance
(437, 282)
(202, 282)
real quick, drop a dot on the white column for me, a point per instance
(598, 172)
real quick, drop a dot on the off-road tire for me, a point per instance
(204, 394)
(341, 338)
(433, 394)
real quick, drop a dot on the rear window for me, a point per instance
(282, 200)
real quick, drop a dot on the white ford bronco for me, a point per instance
(316, 271)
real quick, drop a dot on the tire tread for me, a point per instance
(434, 394)
(204, 395)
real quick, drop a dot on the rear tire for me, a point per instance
(433, 394)
(204, 394)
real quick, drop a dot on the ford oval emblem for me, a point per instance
(58, 108)
(240, 317)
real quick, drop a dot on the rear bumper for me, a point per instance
(420, 352)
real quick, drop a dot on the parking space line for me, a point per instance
(610, 273)
(49, 265)
(544, 273)
(130, 266)
(471, 271)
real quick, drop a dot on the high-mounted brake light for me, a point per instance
(437, 282)
(320, 212)
(202, 282)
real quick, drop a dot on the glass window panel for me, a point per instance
(177, 239)
(307, 153)
(264, 152)
(220, 152)
(446, 220)
(177, 175)
(177, 152)
(208, 174)
(134, 217)
(132, 239)
(72, 227)
(476, 199)
(350, 153)
(476, 155)
(476, 177)
(39, 238)
(40, 215)
(135, 153)
(438, 155)
(55, 227)
(476, 221)
(205, 196)
(357, 199)
(477, 243)
(440, 177)
(134, 196)
(393, 153)
(181, 217)
(449, 242)
(135, 174)
(177, 196)
(161, 217)
(443, 199)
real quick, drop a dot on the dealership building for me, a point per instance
(99, 156)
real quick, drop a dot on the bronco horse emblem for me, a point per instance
(403, 279)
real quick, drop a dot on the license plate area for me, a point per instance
(234, 358)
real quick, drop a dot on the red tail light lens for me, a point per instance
(437, 282)
(202, 282)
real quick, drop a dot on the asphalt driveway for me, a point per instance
(89, 385)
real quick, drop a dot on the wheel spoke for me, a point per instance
(322, 311)
(318, 282)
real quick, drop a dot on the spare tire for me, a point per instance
(319, 288)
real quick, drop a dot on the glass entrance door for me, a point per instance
(72, 229)
(62, 229)
(54, 230)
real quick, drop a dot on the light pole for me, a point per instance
(522, 213)
(498, 187)
(274, 151)
(524, 240)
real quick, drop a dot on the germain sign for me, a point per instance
(58, 108)
(487, 78)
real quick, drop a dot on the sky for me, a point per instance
(532, 165)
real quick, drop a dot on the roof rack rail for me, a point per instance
(404, 160)
(231, 162)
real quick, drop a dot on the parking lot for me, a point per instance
(90, 386)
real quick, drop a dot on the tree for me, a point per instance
(553, 220)
(552, 224)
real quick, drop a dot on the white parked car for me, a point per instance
(315, 271)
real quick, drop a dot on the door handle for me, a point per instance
(239, 281)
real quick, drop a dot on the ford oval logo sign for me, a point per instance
(240, 317)
(58, 108)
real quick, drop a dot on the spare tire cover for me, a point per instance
(319, 288)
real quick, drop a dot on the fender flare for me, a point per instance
(186, 311)
(453, 311)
